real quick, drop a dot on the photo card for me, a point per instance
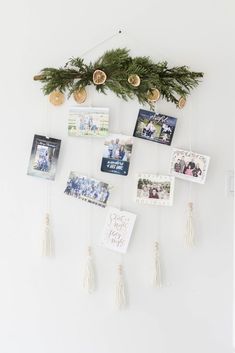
(88, 189)
(85, 121)
(155, 189)
(155, 127)
(117, 154)
(44, 157)
(118, 229)
(189, 165)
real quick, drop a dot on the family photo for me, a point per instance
(117, 154)
(155, 189)
(87, 189)
(44, 156)
(155, 127)
(189, 165)
(88, 121)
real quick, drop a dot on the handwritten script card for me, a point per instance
(117, 230)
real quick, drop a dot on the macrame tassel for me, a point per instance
(120, 289)
(89, 273)
(157, 279)
(47, 242)
(189, 235)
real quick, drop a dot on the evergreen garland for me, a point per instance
(118, 66)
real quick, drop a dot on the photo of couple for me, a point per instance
(87, 189)
(117, 154)
(155, 189)
(155, 127)
(189, 165)
(88, 121)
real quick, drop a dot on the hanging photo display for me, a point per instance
(118, 229)
(189, 165)
(87, 189)
(155, 127)
(44, 157)
(155, 189)
(88, 121)
(117, 154)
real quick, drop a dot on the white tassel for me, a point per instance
(189, 235)
(120, 289)
(157, 279)
(89, 273)
(47, 241)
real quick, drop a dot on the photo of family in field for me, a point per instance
(189, 165)
(87, 189)
(117, 154)
(155, 127)
(44, 156)
(155, 189)
(88, 121)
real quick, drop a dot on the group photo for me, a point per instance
(88, 121)
(189, 165)
(117, 154)
(118, 147)
(155, 189)
(87, 189)
(155, 127)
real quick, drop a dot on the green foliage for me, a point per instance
(119, 65)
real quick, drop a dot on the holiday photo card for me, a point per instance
(87, 189)
(155, 189)
(44, 156)
(88, 121)
(189, 165)
(155, 127)
(118, 229)
(117, 154)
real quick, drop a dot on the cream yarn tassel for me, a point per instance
(120, 289)
(47, 242)
(157, 279)
(89, 273)
(189, 235)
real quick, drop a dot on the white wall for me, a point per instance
(43, 308)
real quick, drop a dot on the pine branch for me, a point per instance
(118, 66)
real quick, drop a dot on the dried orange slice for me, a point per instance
(80, 95)
(154, 95)
(134, 80)
(99, 77)
(56, 98)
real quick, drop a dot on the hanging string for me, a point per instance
(101, 43)
(89, 274)
(190, 148)
(89, 278)
(157, 274)
(120, 288)
(47, 238)
(189, 236)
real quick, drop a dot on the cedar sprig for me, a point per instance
(118, 65)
